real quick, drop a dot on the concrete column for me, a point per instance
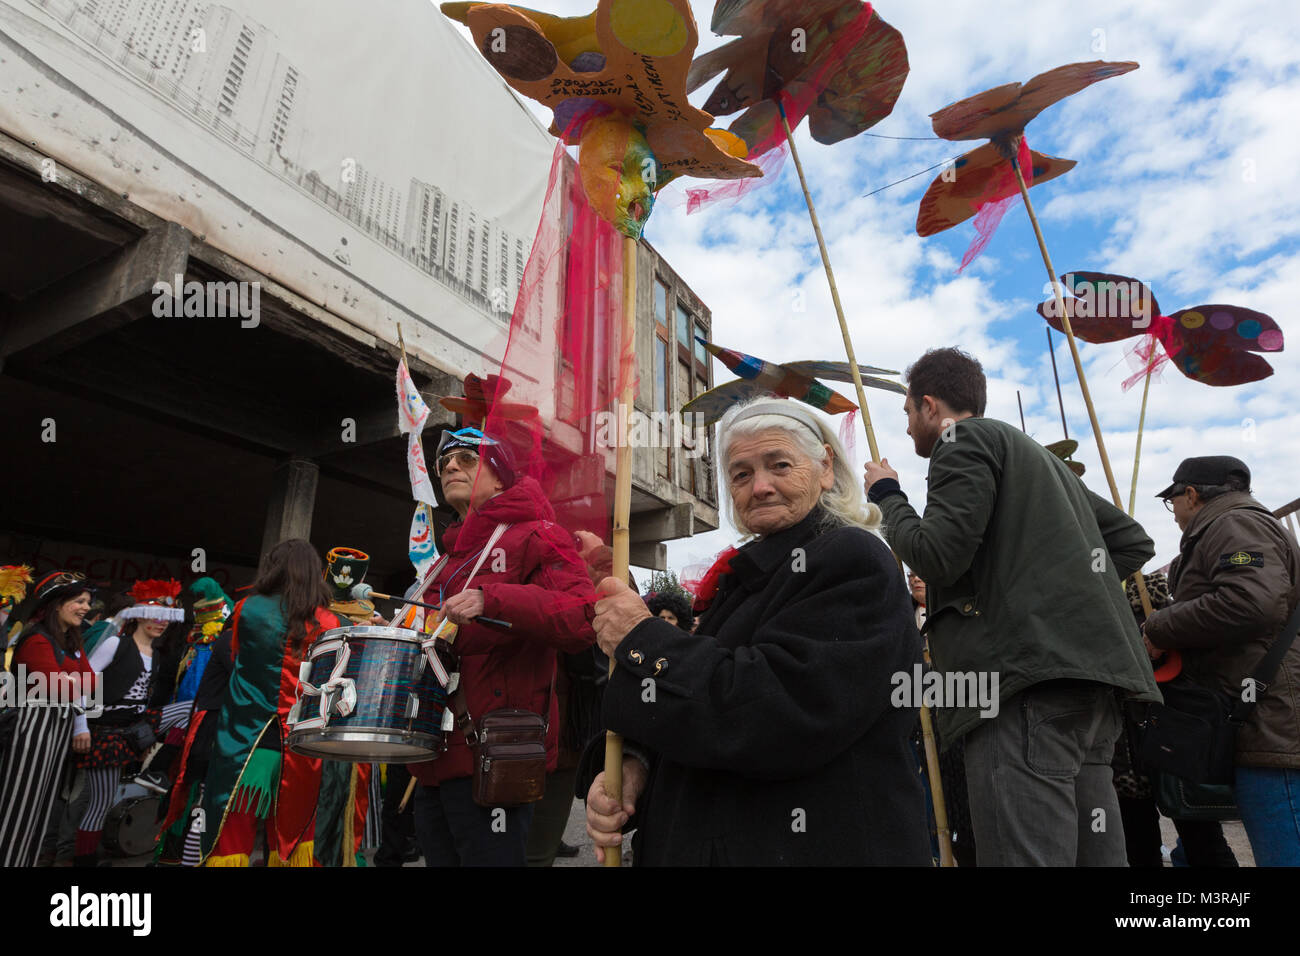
(292, 501)
(649, 554)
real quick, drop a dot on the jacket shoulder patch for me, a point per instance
(1242, 559)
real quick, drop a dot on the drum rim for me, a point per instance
(359, 735)
(418, 752)
(110, 839)
(381, 631)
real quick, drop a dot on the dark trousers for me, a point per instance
(551, 817)
(1203, 840)
(1041, 789)
(397, 830)
(453, 830)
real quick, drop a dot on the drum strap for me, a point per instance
(430, 643)
(337, 695)
(459, 704)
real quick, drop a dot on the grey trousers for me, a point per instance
(1041, 791)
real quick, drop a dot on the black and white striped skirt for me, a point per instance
(29, 781)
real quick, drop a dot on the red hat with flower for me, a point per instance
(156, 600)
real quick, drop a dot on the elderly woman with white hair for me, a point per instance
(769, 736)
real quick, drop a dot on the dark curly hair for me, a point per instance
(950, 375)
(678, 604)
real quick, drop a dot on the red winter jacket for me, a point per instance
(532, 578)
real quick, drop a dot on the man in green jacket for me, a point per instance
(1024, 568)
(1235, 583)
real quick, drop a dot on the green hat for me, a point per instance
(345, 568)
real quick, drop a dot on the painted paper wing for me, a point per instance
(1103, 307)
(714, 403)
(948, 203)
(1007, 109)
(840, 372)
(1215, 342)
(837, 62)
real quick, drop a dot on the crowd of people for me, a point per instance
(760, 717)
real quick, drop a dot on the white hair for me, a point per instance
(844, 503)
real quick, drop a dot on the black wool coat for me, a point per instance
(770, 732)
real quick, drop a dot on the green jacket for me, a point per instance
(1023, 567)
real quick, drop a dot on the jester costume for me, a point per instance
(252, 776)
(212, 610)
(345, 798)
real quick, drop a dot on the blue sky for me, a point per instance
(1185, 179)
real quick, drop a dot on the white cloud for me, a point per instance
(1185, 179)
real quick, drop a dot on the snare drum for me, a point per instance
(370, 694)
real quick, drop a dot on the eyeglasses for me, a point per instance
(465, 459)
(1169, 502)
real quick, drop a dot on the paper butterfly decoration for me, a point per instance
(835, 60)
(483, 395)
(1213, 344)
(796, 380)
(616, 83)
(984, 176)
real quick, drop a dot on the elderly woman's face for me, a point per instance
(773, 483)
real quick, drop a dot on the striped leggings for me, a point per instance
(102, 783)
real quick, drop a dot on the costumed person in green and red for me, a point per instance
(346, 797)
(14, 579)
(135, 712)
(212, 611)
(48, 643)
(253, 780)
(212, 608)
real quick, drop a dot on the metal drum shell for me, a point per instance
(377, 731)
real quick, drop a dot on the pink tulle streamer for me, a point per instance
(1001, 194)
(1145, 356)
(727, 192)
(849, 434)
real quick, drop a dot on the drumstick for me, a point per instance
(363, 592)
(406, 797)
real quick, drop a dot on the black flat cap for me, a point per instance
(1208, 470)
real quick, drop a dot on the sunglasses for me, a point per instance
(465, 459)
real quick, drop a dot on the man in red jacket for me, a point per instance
(531, 576)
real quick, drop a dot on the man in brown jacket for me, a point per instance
(1235, 582)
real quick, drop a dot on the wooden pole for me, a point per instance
(1021, 406)
(1137, 451)
(927, 730)
(1009, 151)
(622, 507)
(835, 292)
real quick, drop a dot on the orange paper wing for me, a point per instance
(951, 201)
(1006, 110)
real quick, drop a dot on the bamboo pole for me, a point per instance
(1137, 451)
(622, 508)
(942, 831)
(1009, 151)
(835, 292)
